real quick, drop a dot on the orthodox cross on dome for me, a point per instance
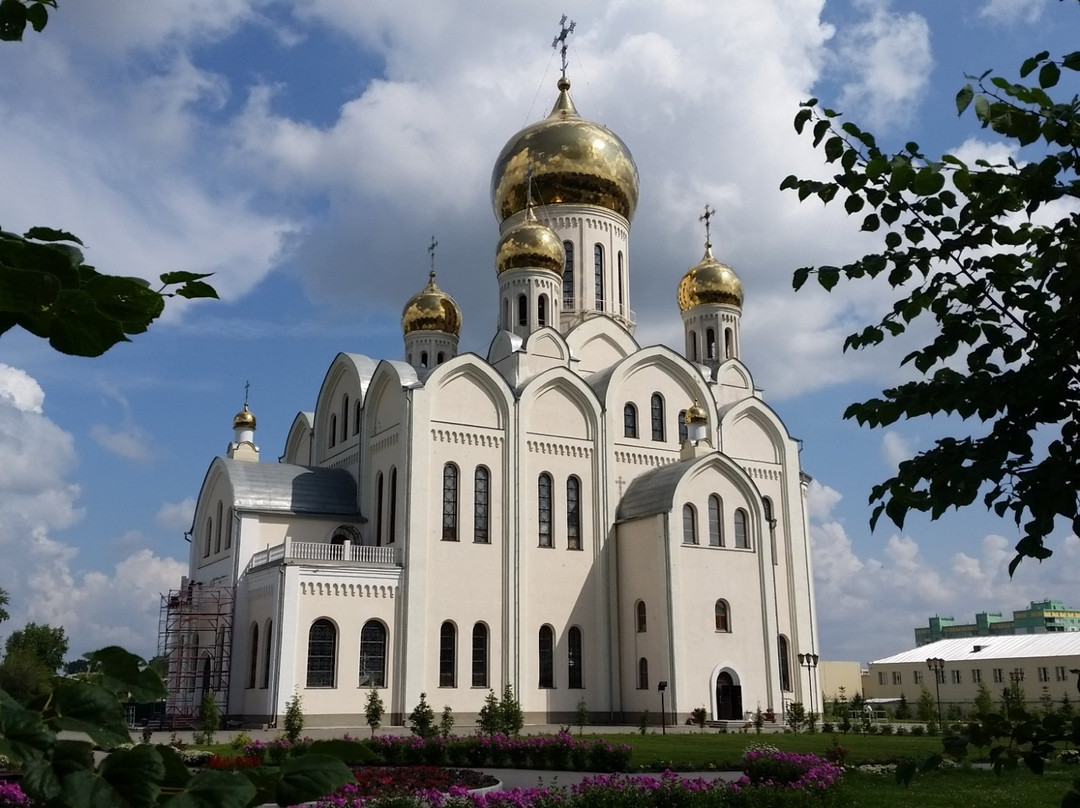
(247, 389)
(528, 186)
(564, 31)
(705, 217)
(431, 249)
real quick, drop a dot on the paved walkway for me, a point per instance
(533, 778)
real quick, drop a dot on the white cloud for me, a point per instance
(1013, 11)
(176, 515)
(895, 448)
(130, 442)
(20, 390)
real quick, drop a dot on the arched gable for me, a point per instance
(600, 342)
(654, 369)
(734, 373)
(298, 440)
(349, 375)
(548, 343)
(384, 404)
(751, 430)
(558, 402)
(471, 390)
(215, 486)
(663, 490)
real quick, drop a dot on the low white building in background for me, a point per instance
(573, 514)
(1031, 662)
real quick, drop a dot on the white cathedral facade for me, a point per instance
(576, 515)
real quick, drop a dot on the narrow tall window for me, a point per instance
(506, 314)
(322, 654)
(209, 536)
(622, 288)
(356, 418)
(541, 311)
(642, 617)
(729, 343)
(742, 538)
(392, 509)
(643, 674)
(333, 431)
(344, 419)
(573, 513)
(710, 343)
(449, 502)
(723, 618)
(598, 273)
(689, 524)
(481, 498)
(684, 429)
(546, 658)
(656, 411)
(268, 653)
(220, 521)
(523, 310)
(372, 654)
(575, 659)
(543, 509)
(716, 517)
(629, 420)
(480, 655)
(379, 508)
(423, 359)
(447, 655)
(785, 662)
(253, 654)
(228, 528)
(693, 345)
(568, 277)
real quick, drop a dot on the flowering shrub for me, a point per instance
(229, 763)
(11, 796)
(770, 767)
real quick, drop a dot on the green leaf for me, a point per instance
(828, 277)
(37, 15)
(963, 98)
(1049, 75)
(49, 234)
(171, 278)
(23, 734)
(821, 128)
(83, 707)
(800, 277)
(135, 774)
(1071, 61)
(834, 148)
(801, 117)
(870, 223)
(197, 289)
(127, 675)
(982, 109)
(309, 777)
(854, 203)
(12, 20)
(213, 789)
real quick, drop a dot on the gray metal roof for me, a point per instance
(653, 492)
(1004, 646)
(292, 489)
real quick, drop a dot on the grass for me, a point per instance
(959, 788)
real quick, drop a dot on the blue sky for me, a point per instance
(306, 152)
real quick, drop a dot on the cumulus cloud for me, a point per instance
(895, 448)
(1013, 11)
(176, 515)
(130, 442)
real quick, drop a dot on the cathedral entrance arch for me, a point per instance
(728, 698)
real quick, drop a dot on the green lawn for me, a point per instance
(959, 789)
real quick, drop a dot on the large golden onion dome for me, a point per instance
(431, 310)
(244, 419)
(573, 161)
(530, 245)
(709, 281)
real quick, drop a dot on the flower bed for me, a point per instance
(12, 796)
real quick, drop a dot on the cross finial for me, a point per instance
(564, 31)
(528, 186)
(431, 249)
(247, 389)
(705, 217)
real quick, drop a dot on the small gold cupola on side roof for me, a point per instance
(243, 444)
(431, 323)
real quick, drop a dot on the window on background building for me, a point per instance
(450, 502)
(723, 616)
(684, 428)
(448, 655)
(742, 536)
(784, 653)
(643, 674)
(642, 619)
(689, 524)
(373, 654)
(568, 276)
(999, 676)
(575, 659)
(543, 509)
(956, 677)
(598, 275)
(392, 509)
(918, 677)
(629, 420)
(573, 513)
(268, 653)
(481, 499)
(881, 677)
(322, 654)
(546, 658)
(253, 654)
(1044, 674)
(480, 655)
(716, 517)
(1059, 673)
(656, 412)
(897, 678)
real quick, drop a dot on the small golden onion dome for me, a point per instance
(244, 419)
(431, 310)
(573, 161)
(696, 414)
(709, 281)
(530, 245)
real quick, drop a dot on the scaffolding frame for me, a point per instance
(195, 640)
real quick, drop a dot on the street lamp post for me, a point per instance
(937, 665)
(662, 686)
(1016, 676)
(810, 662)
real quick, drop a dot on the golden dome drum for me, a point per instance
(431, 310)
(244, 419)
(573, 161)
(710, 282)
(530, 245)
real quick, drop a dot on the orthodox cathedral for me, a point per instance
(575, 515)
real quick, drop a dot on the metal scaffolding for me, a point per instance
(195, 639)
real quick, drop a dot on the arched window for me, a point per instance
(568, 276)
(716, 521)
(729, 343)
(598, 275)
(785, 662)
(481, 499)
(373, 654)
(359, 407)
(423, 359)
(506, 314)
(523, 310)
(742, 538)
(392, 509)
(710, 343)
(629, 420)
(448, 655)
(643, 674)
(344, 418)
(642, 618)
(692, 336)
(546, 658)
(440, 358)
(543, 509)
(253, 654)
(449, 502)
(268, 653)
(209, 536)
(228, 528)
(322, 654)
(217, 534)
(689, 524)
(684, 428)
(541, 311)
(379, 509)
(573, 513)
(770, 520)
(333, 431)
(622, 286)
(480, 655)
(723, 618)
(575, 660)
(656, 411)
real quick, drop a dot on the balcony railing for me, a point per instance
(345, 553)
